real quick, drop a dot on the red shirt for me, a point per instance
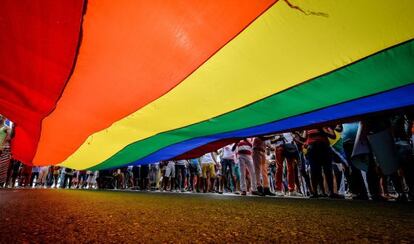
(244, 147)
(315, 135)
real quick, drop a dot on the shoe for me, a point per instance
(279, 194)
(360, 197)
(220, 192)
(243, 193)
(410, 197)
(237, 192)
(260, 189)
(267, 192)
(314, 196)
(348, 195)
(257, 193)
(379, 198)
(336, 196)
(402, 198)
(294, 194)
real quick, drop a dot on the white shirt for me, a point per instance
(287, 138)
(207, 158)
(181, 162)
(227, 152)
(44, 168)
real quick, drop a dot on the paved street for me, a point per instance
(48, 216)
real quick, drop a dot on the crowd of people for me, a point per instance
(368, 159)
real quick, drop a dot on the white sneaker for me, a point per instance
(279, 194)
(294, 194)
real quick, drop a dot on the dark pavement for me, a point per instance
(72, 216)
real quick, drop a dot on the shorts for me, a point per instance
(82, 177)
(236, 171)
(170, 170)
(144, 171)
(208, 168)
(227, 165)
(195, 169)
(90, 179)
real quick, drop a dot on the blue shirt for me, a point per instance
(349, 131)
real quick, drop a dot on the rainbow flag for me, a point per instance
(100, 84)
